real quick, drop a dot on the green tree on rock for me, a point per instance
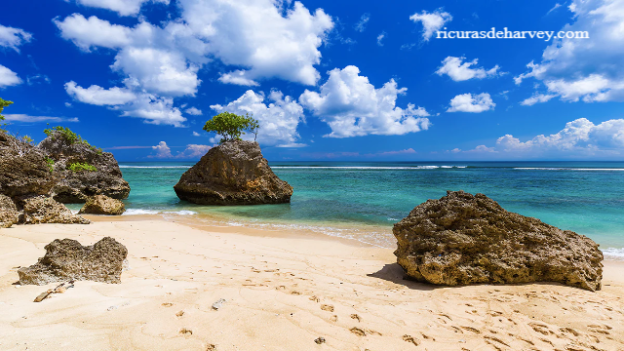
(231, 126)
(3, 104)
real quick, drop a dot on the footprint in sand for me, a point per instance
(357, 331)
(328, 308)
(411, 339)
(355, 316)
(167, 304)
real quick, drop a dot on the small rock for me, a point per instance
(103, 205)
(217, 305)
(319, 340)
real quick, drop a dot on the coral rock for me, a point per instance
(464, 239)
(103, 205)
(67, 260)
(46, 210)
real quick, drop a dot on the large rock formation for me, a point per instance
(103, 205)
(75, 186)
(8, 212)
(46, 210)
(233, 173)
(24, 170)
(67, 260)
(464, 239)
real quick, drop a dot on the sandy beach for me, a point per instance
(282, 291)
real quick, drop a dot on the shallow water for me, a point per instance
(364, 200)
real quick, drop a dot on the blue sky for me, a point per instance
(328, 80)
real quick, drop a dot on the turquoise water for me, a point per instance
(586, 197)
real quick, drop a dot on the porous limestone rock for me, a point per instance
(24, 170)
(470, 239)
(67, 260)
(8, 212)
(233, 173)
(46, 210)
(103, 205)
(77, 186)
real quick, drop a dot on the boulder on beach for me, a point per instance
(81, 170)
(67, 260)
(466, 239)
(8, 212)
(42, 209)
(103, 205)
(24, 169)
(233, 173)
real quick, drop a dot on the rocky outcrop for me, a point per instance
(8, 212)
(76, 183)
(103, 205)
(233, 173)
(24, 170)
(46, 210)
(464, 239)
(67, 260)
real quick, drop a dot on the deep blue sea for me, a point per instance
(363, 200)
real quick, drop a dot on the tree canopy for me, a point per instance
(3, 104)
(231, 126)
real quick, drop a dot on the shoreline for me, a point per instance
(212, 222)
(283, 290)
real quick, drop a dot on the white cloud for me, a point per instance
(361, 25)
(193, 111)
(578, 139)
(155, 110)
(196, 134)
(192, 151)
(162, 150)
(122, 7)
(270, 39)
(268, 43)
(278, 117)
(537, 98)
(34, 119)
(459, 71)
(380, 38)
(13, 37)
(557, 5)
(96, 95)
(586, 69)
(8, 78)
(469, 103)
(432, 22)
(93, 32)
(352, 106)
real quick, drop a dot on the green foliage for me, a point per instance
(81, 167)
(231, 126)
(27, 139)
(3, 104)
(50, 163)
(66, 134)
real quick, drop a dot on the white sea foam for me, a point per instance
(367, 168)
(156, 167)
(612, 253)
(570, 169)
(140, 211)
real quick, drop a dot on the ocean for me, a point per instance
(363, 200)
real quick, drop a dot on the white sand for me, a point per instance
(283, 292)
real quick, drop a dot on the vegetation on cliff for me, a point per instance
(231, 126)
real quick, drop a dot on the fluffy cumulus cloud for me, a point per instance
(578, 139)
(459, 71)
(13, 38)
(158, 63)
(585, 69)
(96, 95)
(193, 111)
(432, 22)
(352, 106)
(8, 78)
(194, 151)
(469, 103)
(278, 116)
(122, 7)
